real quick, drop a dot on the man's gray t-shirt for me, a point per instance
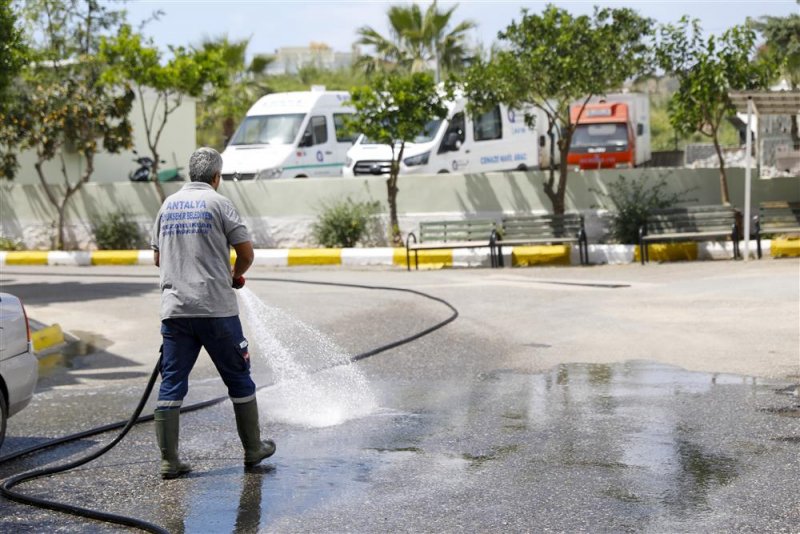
(193, 233)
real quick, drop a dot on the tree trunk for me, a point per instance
(392, 189)
(154, 176)
(227, 130)
(62, 209)
(394, 224)
(557, 194)
(795, 133)
(558, 202)
(723, 178)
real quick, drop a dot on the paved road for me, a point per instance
(614, 398)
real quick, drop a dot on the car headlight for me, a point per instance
(421, 159)
(269, 174)
(348, 161)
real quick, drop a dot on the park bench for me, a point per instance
(694, 223)
(436, 235)
(542, 230)
(776, 218)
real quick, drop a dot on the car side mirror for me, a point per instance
(307, 139)
(640, 129)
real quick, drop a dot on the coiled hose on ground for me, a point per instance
(136, 418)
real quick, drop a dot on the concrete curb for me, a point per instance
(47, 337)
(429, 259)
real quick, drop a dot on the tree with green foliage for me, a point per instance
(393, 110)
(12, 48)
(220, 109)
(139, 64)
(13, 55)
(707, 69)
(64, 103)
(782, 48)
(553, 59)
(417, 40)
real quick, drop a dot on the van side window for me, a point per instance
(318, 127)
(488, 125)
(339, 124)
(456, 127)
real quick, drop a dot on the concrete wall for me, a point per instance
(177, 143)
(279, 212)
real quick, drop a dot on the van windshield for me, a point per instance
(600, 135)
(426, 136)
(268, 130)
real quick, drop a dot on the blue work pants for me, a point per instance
(224, 341)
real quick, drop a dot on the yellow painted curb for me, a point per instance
(115, 257)
(668, 252)
(27, 257)
(431, 259)
(399, 257)
(541, 255)
(314, 256)
(47, 337)
(787, 247)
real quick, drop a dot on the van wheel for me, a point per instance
(3, 417)
(522, 168)
(301, 176)
(443, 171)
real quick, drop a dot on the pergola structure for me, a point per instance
(761, 103)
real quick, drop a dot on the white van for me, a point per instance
(290, 135)
(497, 140)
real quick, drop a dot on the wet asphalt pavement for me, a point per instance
(610, 399)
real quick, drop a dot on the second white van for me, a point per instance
(496, 140)
(290, 135)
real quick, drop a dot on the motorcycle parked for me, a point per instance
(142, 174)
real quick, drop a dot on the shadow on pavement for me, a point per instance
(50, 293)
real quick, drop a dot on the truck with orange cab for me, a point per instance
(613, 132)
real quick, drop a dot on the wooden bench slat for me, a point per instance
(525, 241)
(686, 235)
(448, 245)
(454, 232)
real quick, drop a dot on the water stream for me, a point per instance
(295, 352)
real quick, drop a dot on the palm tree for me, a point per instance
(246, 84)
(417, 41)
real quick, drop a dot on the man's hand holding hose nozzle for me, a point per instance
(238, 282)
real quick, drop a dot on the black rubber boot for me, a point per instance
(167, 433)
(255, 450)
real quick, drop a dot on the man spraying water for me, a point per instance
(191, 240)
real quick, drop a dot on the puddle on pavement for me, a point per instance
(629, 440)
(70, 355)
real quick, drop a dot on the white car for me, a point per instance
(19, 368)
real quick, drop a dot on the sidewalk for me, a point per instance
(430, 259)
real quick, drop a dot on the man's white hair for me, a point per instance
(204, 164)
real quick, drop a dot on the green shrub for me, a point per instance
(346, 223)
(9, 244)
(633, 199)
(116, 232)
